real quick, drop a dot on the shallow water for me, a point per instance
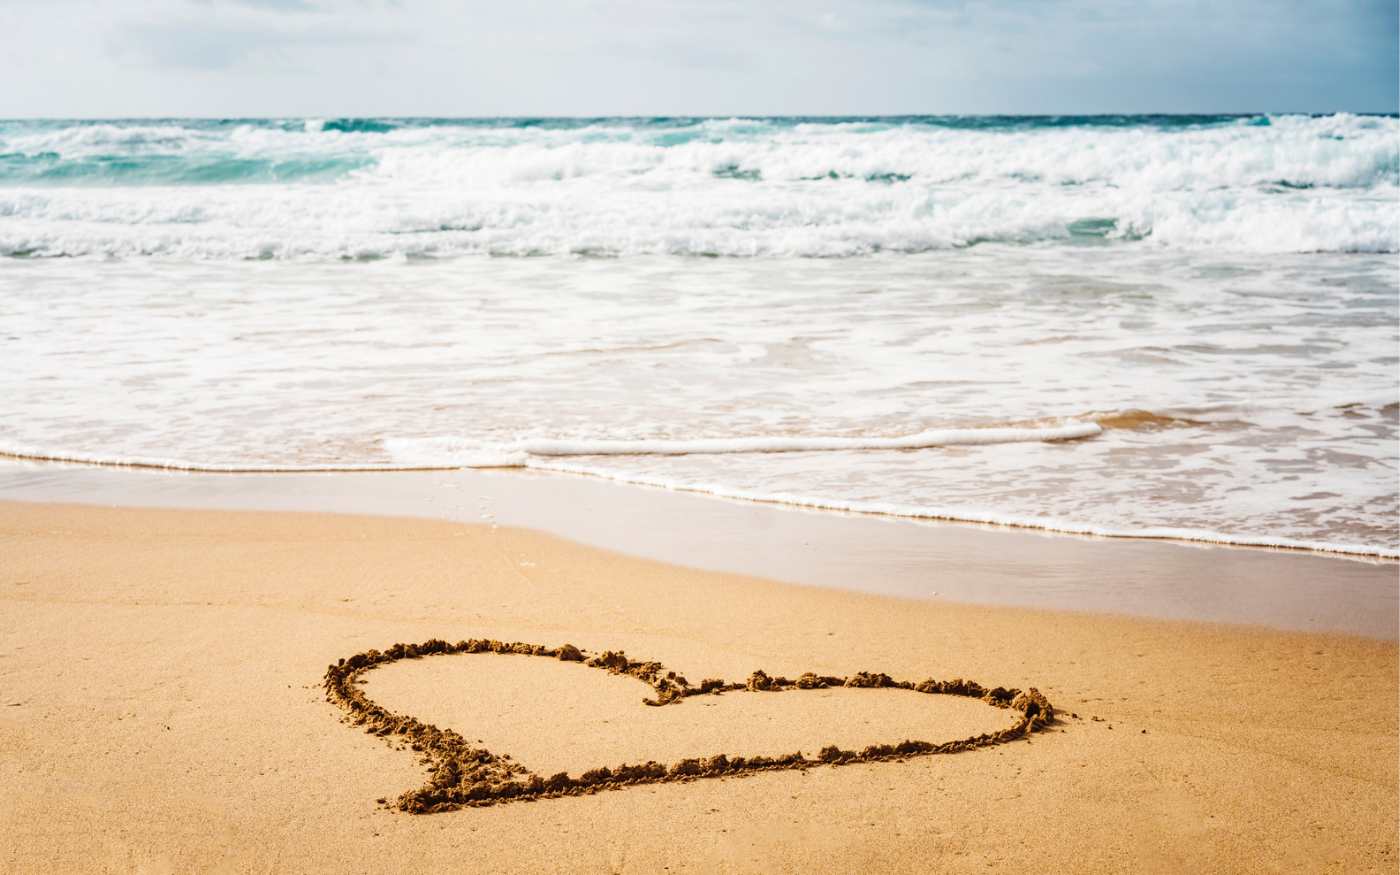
(1133, 321)
(1234, 398)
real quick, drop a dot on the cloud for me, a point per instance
(225, 36)
(693, 57)
(277, 5)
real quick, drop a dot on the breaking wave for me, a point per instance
(449, 454)
(386, 188)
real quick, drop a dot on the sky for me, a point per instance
(238, 58)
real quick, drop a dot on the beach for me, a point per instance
(644, 493)
(164, 710)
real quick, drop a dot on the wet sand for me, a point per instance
(162, 708)
(989, 565)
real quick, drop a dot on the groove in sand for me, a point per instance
(462, 775)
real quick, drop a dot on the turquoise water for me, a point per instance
(167, 151)
(368, 189)
(1205, 305)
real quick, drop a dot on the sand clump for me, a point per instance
(463, 775)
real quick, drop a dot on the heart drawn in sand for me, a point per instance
(463, 775)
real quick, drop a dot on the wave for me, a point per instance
(447, 453)
(383, 188)
(350, 223)
(922, 440)
(451, 454)
(50, 167)
(355, 126)
(1143, 420)
(970, 515)
(1292, 151)
(148, 463)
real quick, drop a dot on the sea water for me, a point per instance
(1165, 326)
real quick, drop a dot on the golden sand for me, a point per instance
(163, 708)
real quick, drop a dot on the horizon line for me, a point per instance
(1392, 113)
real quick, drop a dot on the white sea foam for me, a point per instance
(1242, 393)
(975, 515)
(446, 454)
(943, 437)
(23, 453)
(1251, 396)
(734, 188)
(451, 453)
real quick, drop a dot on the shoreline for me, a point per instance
(991, 565)
(1039, 525)
(163, 709)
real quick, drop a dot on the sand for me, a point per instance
(162, 708)
(466, 775)
(988, 565)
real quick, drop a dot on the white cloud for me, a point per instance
(583, 57)
(252, 33)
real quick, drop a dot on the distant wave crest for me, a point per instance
(327, 189)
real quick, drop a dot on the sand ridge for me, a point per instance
(462, 775)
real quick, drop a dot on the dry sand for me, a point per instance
(161, 709)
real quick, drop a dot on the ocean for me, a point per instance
(1160, 326)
